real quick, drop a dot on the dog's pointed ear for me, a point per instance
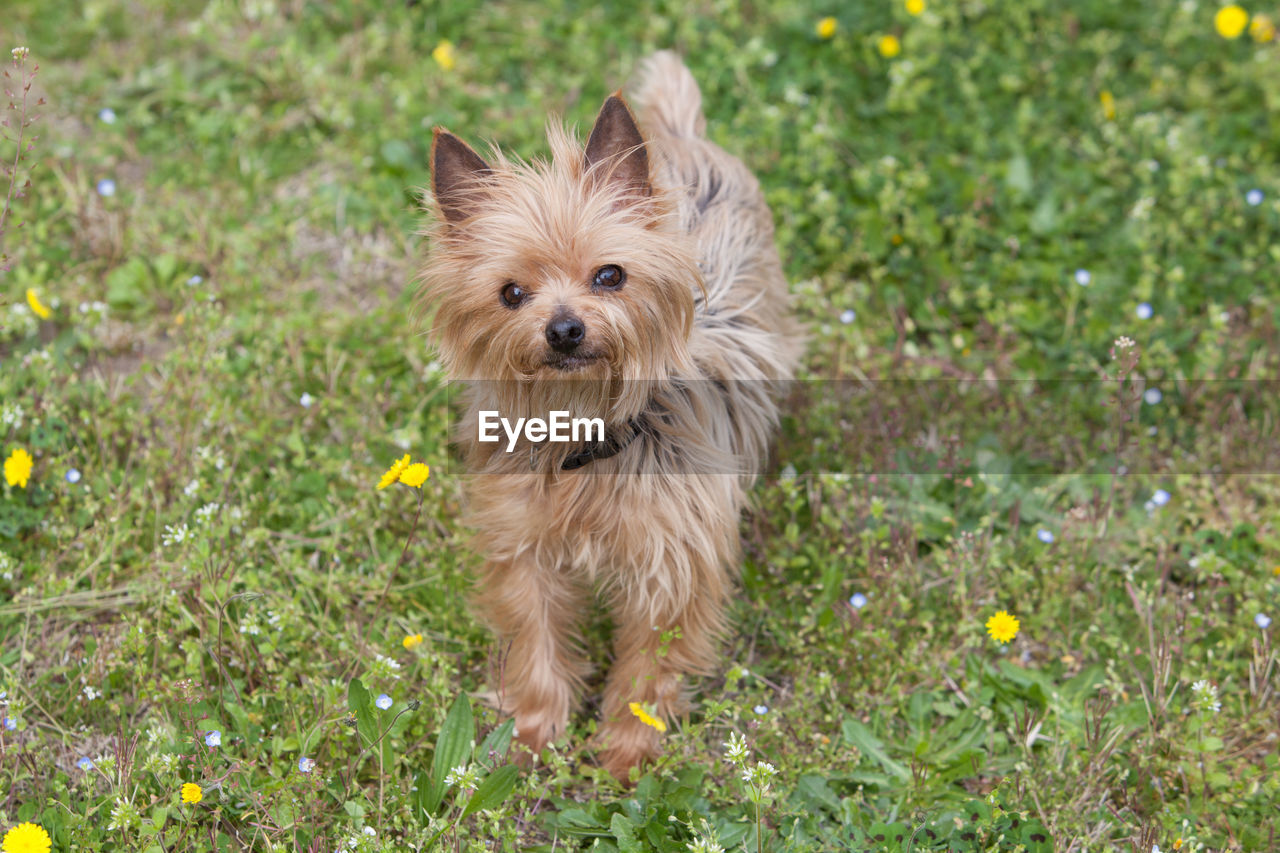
(616, 150)
(456, 170)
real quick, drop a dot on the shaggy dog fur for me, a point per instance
(677, 349)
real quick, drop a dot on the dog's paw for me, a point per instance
(536, 730)
(625, 745)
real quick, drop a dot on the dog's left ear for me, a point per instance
(616, 152)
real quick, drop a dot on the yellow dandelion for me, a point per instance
(1002, 627)
(1108, 102)
(17, 468)
(26, 838)
(1276, 571)
(827, 28)
(1177, 845)
(889, 46)
(394, 472)
(33, 299)
(643, 716)
(412, 640)
(443, 55)
(415, 475)
(915, 7)
(1262, 29)
(192, 793)
(1230, 21)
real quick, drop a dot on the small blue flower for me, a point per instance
(1254, 197)
(107, 115)
(761, 709)
(1083, 277)
(1262, 620)
(848, 315)
(383, 701)
(106, 187)
(194, 280)
(857, 601)
(306, 765)
(1145, 311)
(10, 723)
(85, 763)
(1044, 535)
(213, 738)
(306, 400)
(1160, 498)
(1152, 396)
(73, 475)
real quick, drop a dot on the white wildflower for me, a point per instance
(735, 749)
(1206, 696)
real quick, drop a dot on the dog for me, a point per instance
(634, 282)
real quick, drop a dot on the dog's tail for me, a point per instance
(667, 97)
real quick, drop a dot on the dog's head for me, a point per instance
(574, 269)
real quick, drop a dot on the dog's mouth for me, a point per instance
(572, 361)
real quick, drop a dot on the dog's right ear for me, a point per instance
(456, 171)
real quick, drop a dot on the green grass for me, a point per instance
(276, 151)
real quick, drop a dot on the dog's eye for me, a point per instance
(609, 277)
(512, 295)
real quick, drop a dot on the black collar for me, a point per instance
(610, 445)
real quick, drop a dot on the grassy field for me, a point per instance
(221, 228)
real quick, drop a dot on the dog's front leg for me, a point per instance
(535, 611)
(653, 653)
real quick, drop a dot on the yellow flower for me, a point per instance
(827, 28)
(1230, 21)
(17, 468)
(415, 475)
(889, 46)
(192, 793)
(27, 838)
(443, 55)
(1276, 571)
(1002, 627)
(394, 472)
(1108, 102)
(412, 640)
(645, 718)
(1177, 845)
(42, 311)
(1262, 29)
(915, 7)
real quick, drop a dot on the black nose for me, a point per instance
(565, 332)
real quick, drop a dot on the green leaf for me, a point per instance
(422, 797)
(1211, 743)
(1018, 176)
(360, 701)
(625, 832)
(493, 790)
(576, 821)
(1045, 217)
(490, 752)
(127, 284)
(856, 734)
(397, 154)
(457, 736)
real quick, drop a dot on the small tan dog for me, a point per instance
(635, 282)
